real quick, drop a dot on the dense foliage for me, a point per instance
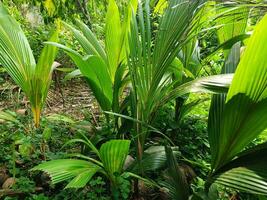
(177, 99)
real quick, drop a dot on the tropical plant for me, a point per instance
(235, 120)
(17, 58)
(238, 118)
(153, 60)
(103, 68)
(111, 155)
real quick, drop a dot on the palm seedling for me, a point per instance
(17, 58)
(103, 67)
(149, 69)
(235, 120)
(152, 61)
(109, 162)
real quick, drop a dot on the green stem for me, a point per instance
(115, 192)
(14, 160)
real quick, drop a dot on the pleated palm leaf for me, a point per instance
(153, 60)
(238, 118)
(103, 66)
(232, 21)
(17, 58)
(78, 172)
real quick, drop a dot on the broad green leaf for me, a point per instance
(247, 172)
(73, 74)
(86, 44)
(245, 113)
(250, 81)
(113, 154)
(82, 179)
(91, 38)
(154, 158)
(16, 55)
(79, 171)
(113, 39)
(233, 21)
(119, 84)
(218, 104)
(211, 84)
(94, 69)
(60, 118)
(41, 81)
(226, 46)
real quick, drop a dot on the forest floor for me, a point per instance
(72, 99)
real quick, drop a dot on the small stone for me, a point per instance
(9, 183)
(21, 112)
(128, 161)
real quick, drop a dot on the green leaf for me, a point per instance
(233, 21)
(154, 158)
(16, 55)
(211, 84)
(79, 171)
(41, 81)
(87, 45)
(17, 58)
(82, 179)
(113, 39)
(7, 116)
(73, 74)
(247, 172)
(245, 113)
(61, 118)
(176, 181)
(94, 69)
(47, 133)
(85, 141)
(91, 38)
(113, 154)
(226, 46)
(218, 104)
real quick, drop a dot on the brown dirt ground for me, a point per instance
(73, 99)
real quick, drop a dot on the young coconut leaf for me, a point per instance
(112, 155)
(240, 119)
(17, 58)
(100, 64)
(79, 171)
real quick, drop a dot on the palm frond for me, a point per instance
(113, 154)
(79, 171)
(17, 58)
